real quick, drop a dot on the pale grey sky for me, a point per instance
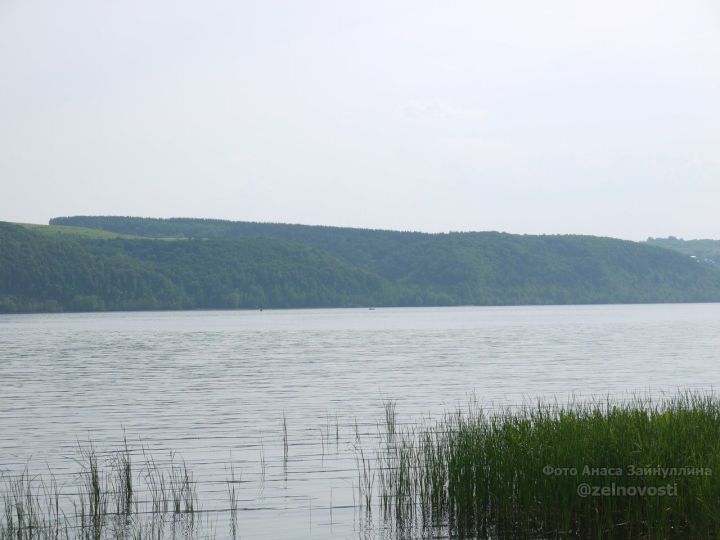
(597, 117)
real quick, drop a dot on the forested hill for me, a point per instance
(58, 272)
(190, 264)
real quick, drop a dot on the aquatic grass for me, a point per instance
(93, 502)
(156, 482)
(650, 467)
(285, 440)
(472, 473)
(182, 488)
(233, 498)
(337, 433)
(390, 408)
(122, 479)
(322, 444)
(102, 504)
(366, 472)
(31, 509)
(331, 431)
(366, 479)
(263, 468)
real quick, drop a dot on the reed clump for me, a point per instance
(103, 502)
(639, 468)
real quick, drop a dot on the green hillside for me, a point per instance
(471, 268)
(44, 273)
(223, 264)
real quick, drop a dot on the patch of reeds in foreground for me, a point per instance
(604, 469)
(110, 499)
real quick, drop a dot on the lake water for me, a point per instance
(214, 386)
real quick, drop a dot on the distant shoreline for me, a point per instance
(357, 308)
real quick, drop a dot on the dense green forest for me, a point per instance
(117, 263)
(707, 251)
(42, 272)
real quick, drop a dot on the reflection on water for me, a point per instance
(216, 386)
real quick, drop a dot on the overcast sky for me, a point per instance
(594, 117)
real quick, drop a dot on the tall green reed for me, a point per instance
(519, 471)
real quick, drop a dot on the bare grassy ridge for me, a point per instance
(67, 230)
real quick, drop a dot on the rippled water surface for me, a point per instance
(214, 386)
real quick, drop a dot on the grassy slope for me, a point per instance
(67, 230)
